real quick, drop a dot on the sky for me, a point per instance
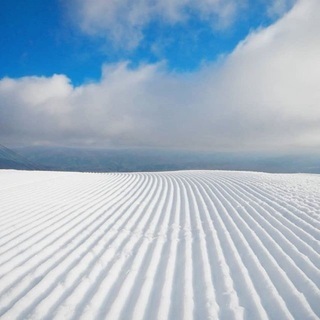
(217, 75)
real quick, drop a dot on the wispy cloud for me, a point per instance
(265, 95)
(277, 8)
(123, 21)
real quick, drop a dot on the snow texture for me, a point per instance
(169, 245)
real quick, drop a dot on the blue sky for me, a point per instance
(217, 75)
(37, 39)
(41, 37)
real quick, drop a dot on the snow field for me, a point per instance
(169, 245)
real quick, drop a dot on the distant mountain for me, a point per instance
(10, 159)
(131, 160)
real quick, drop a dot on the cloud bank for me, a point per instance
(263, 96)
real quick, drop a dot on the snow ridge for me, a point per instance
(169, 245)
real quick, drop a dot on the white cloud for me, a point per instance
(265, 95)
(122, 21)
(277, 8)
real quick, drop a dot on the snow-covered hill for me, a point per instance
(170, 245)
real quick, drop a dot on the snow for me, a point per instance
(169, 245)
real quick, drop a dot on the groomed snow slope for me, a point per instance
(173, 245)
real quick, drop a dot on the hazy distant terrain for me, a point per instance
(112, 160)
(166, 245)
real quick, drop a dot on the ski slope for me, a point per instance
(169, 245)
